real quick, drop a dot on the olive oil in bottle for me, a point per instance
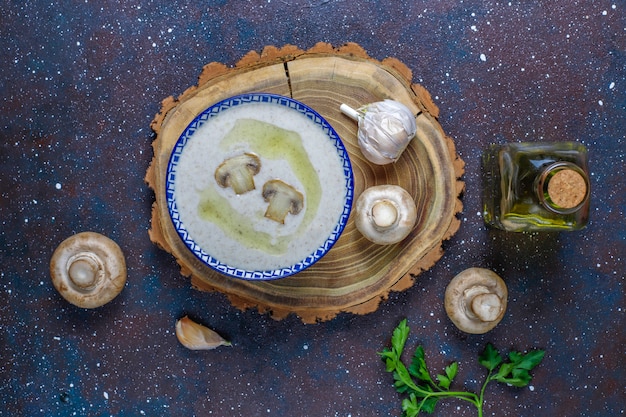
(536, 186)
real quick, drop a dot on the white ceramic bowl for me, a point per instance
(229, 232)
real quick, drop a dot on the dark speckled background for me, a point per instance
(80, 82)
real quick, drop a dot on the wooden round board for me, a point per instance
(355, 275)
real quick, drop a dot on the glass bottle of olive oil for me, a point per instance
(536, 186)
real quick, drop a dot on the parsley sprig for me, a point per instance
(424, 392)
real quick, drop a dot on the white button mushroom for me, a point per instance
(385, 214)
(283, 199)
(238, 172)
(476, 300)
(385, 129)
(88, 269)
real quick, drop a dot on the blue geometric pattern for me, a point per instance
(212, 112)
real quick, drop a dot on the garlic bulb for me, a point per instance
(195, 336)
(385, 129)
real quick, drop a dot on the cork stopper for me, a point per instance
(567, 188)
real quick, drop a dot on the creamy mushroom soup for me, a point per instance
(232, 228)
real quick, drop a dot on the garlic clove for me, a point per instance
(195, 336)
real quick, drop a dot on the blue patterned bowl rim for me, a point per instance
(200, 253)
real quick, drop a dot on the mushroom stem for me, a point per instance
(486, 307)
(85, 270)
(384, 213)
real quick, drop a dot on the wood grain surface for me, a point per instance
(355, 275)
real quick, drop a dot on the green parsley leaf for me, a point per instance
(428, 404)
(445, 380)
(418, 367)
(398, 339)
(490, 358)
(531, 359)
(410, 407)
(516, 371)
